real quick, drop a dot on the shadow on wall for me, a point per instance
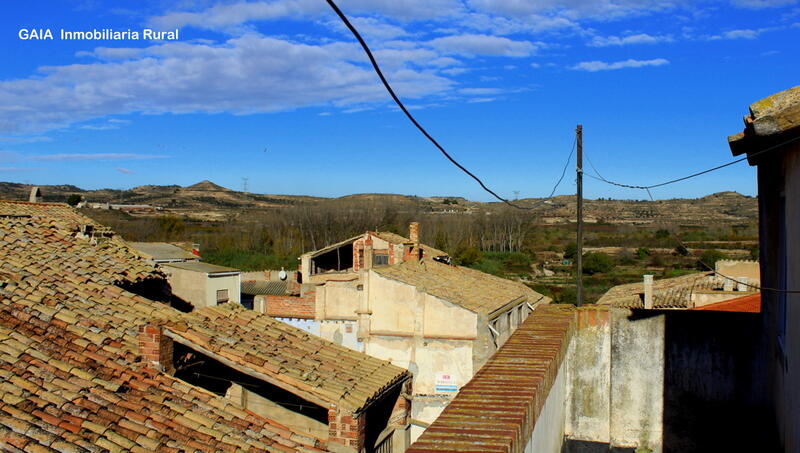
(585, 446)
(714, 384)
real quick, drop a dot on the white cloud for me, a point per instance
(574, 9)
(594, 66)
(75, 157)
(760, 4)
(125, 171)
(641, 38)
(473, 44)
(244, 75)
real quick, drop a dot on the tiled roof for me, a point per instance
(61, 213)
(307, 365)
(397, 239)
(162, 251)
(497, 409)
(62, 392)
(474, 290)
(744, 304)
(260, 288)
(69, 354)
(673, 292)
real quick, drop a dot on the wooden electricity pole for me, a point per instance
(579, 255)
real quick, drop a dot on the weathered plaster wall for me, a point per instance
(230, 282)
(589, 371)
(339, 300)
(637, 379)
(189, 286)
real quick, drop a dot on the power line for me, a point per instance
(711, 269)
(411, 117)
(684, 178)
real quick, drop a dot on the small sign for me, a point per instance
(445, 382)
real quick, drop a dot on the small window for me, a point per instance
(222, 296)
(380, 260)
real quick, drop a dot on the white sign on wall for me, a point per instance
(446, 382)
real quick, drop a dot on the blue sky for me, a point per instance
(280, 93)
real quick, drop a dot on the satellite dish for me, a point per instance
(282, 274)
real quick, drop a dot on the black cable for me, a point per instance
(711, 269)
(411, 117)
(672, 181)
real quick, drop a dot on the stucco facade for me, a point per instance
(202, 284)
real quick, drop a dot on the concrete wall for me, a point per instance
(637, 379)
(589, 371)
(189, 286)
(200, 288)
(230, 282)
(339, 299)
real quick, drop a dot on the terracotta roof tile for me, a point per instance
(69, 351)
(496, 410)
(474, 290)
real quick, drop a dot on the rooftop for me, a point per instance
(70, 364)
(320, 371)
(264, 288)
(771, 122)
(199, 266)
(497, 409)
(162, 251)
(474, 290)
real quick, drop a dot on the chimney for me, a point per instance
(367, 264)
(155, 348)
(742, 285)
(648, 291)
(413, 232)
(36, 195)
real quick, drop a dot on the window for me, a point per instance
(222, 296)
(380, 260)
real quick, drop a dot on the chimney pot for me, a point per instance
(648, 291)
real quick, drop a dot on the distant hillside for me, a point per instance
(206, 200)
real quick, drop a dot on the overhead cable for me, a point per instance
(411, 117)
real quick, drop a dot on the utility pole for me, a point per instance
(579, 256)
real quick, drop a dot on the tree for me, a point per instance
(570, 251)
(74, 199)
(662, 234)
(468, 256)
(642, 252)
(681, 250)
(595, 262)
(709, 258)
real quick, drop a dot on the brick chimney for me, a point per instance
(35, 195)
(155, 348)
(413, 232)
(648, 291)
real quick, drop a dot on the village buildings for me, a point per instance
(397, 299)
(89, 364)
(671, 365)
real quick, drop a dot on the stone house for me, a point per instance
(399, 300)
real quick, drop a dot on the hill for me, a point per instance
(209, 201)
